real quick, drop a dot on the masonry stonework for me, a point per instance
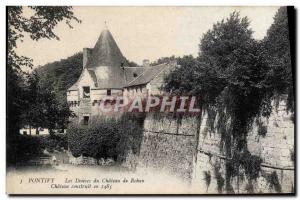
(169, 144)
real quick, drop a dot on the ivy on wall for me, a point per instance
(237, 78)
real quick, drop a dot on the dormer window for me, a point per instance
(86, 92)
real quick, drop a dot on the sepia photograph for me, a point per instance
(150, 100)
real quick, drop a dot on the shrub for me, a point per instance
(23, 148)
(26, 147)
(54, 142)
(105, 137)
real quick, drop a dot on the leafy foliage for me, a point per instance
(60, 75)
(273, 181)
(104, 138)
(38, 25)
(163, 60)
(51, 143)
(277, 44)
(237, 77)
(219, 178)
(250, 163)
(29, 147)
(262, 129)
(42, 108)
(23, 148)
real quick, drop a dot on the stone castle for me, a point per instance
(105, 73)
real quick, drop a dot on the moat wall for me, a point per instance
(170, 144)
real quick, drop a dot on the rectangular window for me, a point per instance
(108, 92)
(94, 102)
(86, 92)
(86, 120)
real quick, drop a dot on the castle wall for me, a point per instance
(85, 80)
(276, 150)
(73, 95)
(170, 145)
(133, 91)
(97, 95)
(91, 106)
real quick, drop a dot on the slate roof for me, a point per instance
(143, 76)
(148, 74)
(106, 77)
(106, 52)
(133, 72)
(105, 62)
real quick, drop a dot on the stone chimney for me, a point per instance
(146, 63)
(87, 52)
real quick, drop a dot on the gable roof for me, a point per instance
(132, 73)
(74, 87)
(148, 74)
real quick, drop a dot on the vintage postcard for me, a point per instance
(150, 100)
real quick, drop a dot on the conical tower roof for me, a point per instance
(106, 52)
(105, 63)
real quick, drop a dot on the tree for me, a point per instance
(241, 68)
(32, 112)
(60, 75)
(39, 25)
(195, 76)
(277, 44)
(43, 106)
(163, 60)
(233, 77)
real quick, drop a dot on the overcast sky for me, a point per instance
(141, 32)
